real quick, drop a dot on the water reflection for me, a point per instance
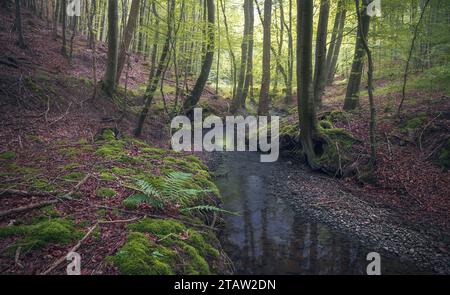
(271, 238)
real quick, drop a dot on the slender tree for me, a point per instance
(336, 41)
(321, 53)
(63, 8)
(156, 77)
(264, 98)
(128, 36)
(109, 80)
(18, 26)
(354, 82)
(196, 93)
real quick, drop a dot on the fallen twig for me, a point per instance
(80, 242)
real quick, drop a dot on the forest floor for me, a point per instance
(49, 141)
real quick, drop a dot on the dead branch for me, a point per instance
(67, 196)
(26, 193)
(74, 249)
(27, 208)
(426, 127)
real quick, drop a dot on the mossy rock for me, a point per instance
(336, 150)
(105, 192)
(336, 116)
(8, 155)
(40, 234)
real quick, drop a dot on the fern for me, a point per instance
(209, 208)
(175, 188)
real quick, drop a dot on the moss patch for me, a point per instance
(38, 235)
(105, 192)
(179, 250)
(8, 155)
(74, 176)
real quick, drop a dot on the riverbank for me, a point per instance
(306, 223)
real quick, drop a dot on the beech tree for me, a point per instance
(109, 79)
(194, 97)
(264, 98)
(306, 109)
(352, 96)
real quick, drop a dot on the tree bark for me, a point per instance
(18, 26)
(128, 36)
(196, 93)
(109, 80)
(352, 95)
(155, 79)
(336, 41)
(321, 53)
(306, 110)
(264, 99)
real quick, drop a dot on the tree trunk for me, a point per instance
(109, 80)
(239, 99)
(128, 36)
(18, 26)
(64, 27)
(352, 95)
(306, 108)
(336, 41)
(321, 53)
(196, 93)
(264, 99)
(155, 79)
(373, 157)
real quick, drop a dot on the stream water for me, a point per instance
(270, 237)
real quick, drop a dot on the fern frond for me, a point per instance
(209, 208)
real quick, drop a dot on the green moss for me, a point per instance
(70, 151)
(337, 116)
(195, 264)
(105, 192)
(140, 256)
(74, 176)
(42, 185)
(111, 151)
(158, 227)
(172, 254)
(444, 156)
(71, 166)
(414, 123)
(150, 150)
(106, 176)
(50, 212)
(324, 124)
(337, 149)
(122, 171)
(58, 231)
(196, 160)
(8, 155)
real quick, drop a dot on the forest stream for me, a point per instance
(271, 237)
